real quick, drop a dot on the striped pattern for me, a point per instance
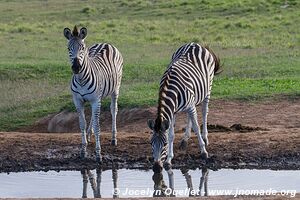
(97, 73)
(160, 142)
(187, 80)
(101, 72)
(185, 84)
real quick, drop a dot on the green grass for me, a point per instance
(258, 41)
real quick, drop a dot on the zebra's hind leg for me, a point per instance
(82, 124)
(204, 119)
(96, 126)
(196, 128)
(187, 134)
(114, 111)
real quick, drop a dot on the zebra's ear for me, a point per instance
(67, 33)
(164, 125)
(83, 33)
(150, 123)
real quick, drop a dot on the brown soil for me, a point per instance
(241, 135)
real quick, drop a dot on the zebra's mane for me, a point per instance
(160, 96)
(75, 32)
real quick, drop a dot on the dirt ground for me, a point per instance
(261, 135)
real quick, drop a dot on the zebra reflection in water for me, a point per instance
(88, 176)
(162, 190)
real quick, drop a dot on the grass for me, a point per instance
(258, 42)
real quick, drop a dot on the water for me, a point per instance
(137, 183)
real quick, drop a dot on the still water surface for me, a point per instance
(138, 183)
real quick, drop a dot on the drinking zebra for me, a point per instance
(97, 73)
(186, 83)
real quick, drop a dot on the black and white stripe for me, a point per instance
(160, 142)
(101, 72)
(97, 73)
(185, 84)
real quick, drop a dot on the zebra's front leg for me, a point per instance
(82, 125)
(90, 130)
(196, 128)
(114, 111)
(204, 119)
(96, 126)
(187, 134)
(168, 164)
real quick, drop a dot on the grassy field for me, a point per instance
(257, 40)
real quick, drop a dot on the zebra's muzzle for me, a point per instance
(157, 167)
(76, 67)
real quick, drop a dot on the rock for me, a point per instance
(62, 122)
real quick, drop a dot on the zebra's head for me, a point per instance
(159, 142)
(76, 47)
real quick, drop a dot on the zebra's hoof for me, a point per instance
(88, 138)
(99, 160)
(183, 145)
(114, 142)
(205, 141)
(204, 155)
(83, 154)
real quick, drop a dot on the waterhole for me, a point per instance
(139, 183)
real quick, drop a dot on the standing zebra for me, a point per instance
(186, 83)
(97, 73)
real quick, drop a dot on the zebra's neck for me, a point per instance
(166, 103)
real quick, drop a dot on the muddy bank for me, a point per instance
(264, 135)
(41, 151)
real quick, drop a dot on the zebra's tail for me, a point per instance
(218, 66)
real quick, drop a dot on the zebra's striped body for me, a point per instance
(186, 83)
(97, 73)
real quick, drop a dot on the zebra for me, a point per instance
(97, 73)
(185, 84)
